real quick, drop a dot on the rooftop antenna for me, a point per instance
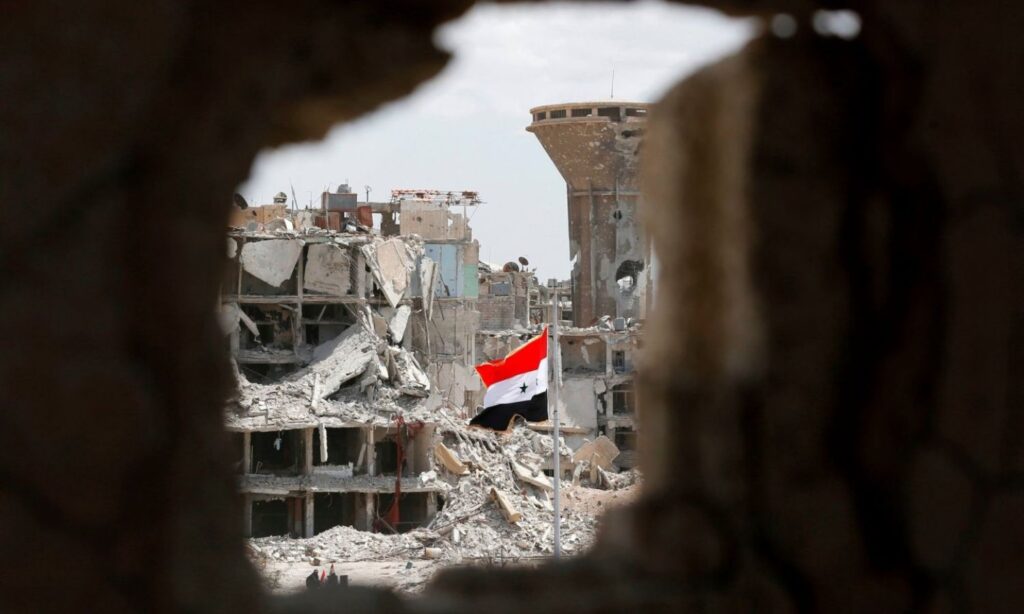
(612, 95)
(295, 200)
(368, 190)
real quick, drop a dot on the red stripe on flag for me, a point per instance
(523, 359)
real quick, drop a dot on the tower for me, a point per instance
(595, 146)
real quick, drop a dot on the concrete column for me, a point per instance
(246, 453)
(307, 517)
(364, 511)
(371, 453)
(360, 276)
(307, 451)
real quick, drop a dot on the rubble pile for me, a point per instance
(471, 525)
(355, 377)
(354, 355)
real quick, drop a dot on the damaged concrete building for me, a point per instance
(595, 146)
(338, 332)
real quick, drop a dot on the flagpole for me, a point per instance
(556, 366)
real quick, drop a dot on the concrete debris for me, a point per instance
(339, 360)
(532, 477)
(271, 261)
(476, 522)
(408, 377)
(249, 324)
(600, 452)
(328, 270)
(391, 264)
(507, 509)
(428, 281)
(354, 353)
(398, 323)
(279, 224)
(450, 460)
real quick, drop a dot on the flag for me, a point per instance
(516, 385)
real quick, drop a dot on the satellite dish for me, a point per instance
(239, 201)
(523, 261)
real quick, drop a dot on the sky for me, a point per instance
(465, 129)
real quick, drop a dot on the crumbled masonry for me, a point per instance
(354, 352)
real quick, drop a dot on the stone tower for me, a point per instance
(595, 146)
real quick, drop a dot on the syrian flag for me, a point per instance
(517, 385)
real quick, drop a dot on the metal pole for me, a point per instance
(556, 366)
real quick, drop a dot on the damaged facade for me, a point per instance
(596, 146)
(355, 329)
(338, 333)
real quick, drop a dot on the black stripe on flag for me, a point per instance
(499, 417)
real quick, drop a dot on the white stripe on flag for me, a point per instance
(522, 387)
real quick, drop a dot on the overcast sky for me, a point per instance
(466, 128)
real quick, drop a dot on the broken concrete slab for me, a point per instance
(428, 279)
(271, 261)
(328, 270)
(339, 360)
(505, 505)
(450, 460)
(407, 374)
(249, 323)
(380, 325)
(533, 478)
(398, 323)
(391, 264)
(600, 452)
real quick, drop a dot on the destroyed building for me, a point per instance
(355, 327)
(595, 146)
(338, 332)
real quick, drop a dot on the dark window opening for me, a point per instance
(634, 112)
(277, 452)
(625, 441)
(582, 112)
(619, 361)
(269, 518)
(333, 509)
(343, 447)
(559, 114)
(413, 509)
(611, 113)
(387, 456)
(623, 399)
(540, 116)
